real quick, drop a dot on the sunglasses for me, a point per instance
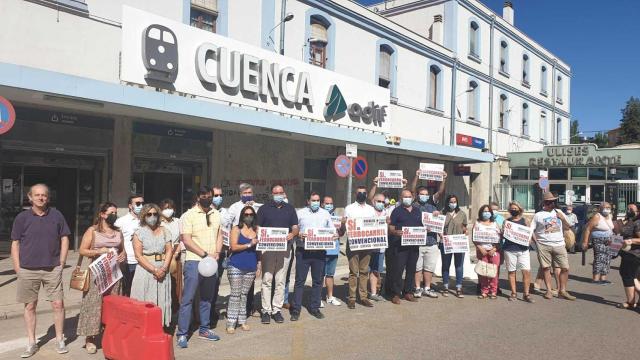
(151, 214)
(138, 203)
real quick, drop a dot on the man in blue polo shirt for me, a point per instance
(276, 213)
(403, 257)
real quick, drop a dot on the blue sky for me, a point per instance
(601, 43)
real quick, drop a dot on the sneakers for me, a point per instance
(182, 342)
(322, 305)
(417, 293)
(208, 335)
(430, 293)
(61, 347)
(277, 317)
(333, 301)
(296, 315)
(565, 295)
(316, 314)
(265, 318)
(29, 351)
(376, 297)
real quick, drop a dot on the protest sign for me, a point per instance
(617, 242)
(272, 239)
(485, 234)
(414, 236)
(431, 172)
(516, 233)
(105, 270)
(433, 223)
(320, 239)
(225, 235)
(337, 222)
(367, 233)
(390, 179)
(455, 244)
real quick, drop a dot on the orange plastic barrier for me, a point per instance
(133, 330)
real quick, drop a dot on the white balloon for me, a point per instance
(208, 267)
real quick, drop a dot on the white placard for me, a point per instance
(414, 236)
(485, 234)
(272, 239)
(226, 232)
(431, 172)
(367, 233)
(220, 68)
(617, 242)
(455, 244)
(320, 239)
(390, 179)
(337, 222)
(105, 270)
(544, 173)
(516, 233)
(433, 223)
(352, 150)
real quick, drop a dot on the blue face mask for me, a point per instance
(423, 198)
(314, 205)
(453, 206)
(278, 199)
(407, 201)
(217, 201)
(486, 215)
(328, 207)
(137, 209)
(379, 206)
(246, 198)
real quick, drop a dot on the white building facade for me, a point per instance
(103, 109)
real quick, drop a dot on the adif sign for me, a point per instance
(167, 54)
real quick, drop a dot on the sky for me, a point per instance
(601, 43)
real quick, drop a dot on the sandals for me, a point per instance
(482, 297)
(493, 296)
(627, 306)
(527, 298)
(513, 297)
(91, 348)
(231, 330)
(444, 292)
(245, 327)
(548, 295)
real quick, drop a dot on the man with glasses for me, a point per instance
(128, 224)
(202, 237)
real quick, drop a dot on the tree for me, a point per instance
(601, 139)
(574, 137)
(630, 123)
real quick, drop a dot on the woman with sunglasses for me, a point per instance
(487, 250)
(243, 267)
(152, 245)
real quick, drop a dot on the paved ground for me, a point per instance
(444, 328)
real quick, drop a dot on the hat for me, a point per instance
(549, 196)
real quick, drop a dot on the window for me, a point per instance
(204, 14)
(543, 126)
(578, 173)
(597, 173)
(504, 55)
(597, 193)
(525, 120)
(318, 43)
(559, 131)
(558, 174)
(519, 174)
(474, 39)
(559, 89)
(315, 175)
(384, 67)
(434, 86)
(543, 80)
(525, 69)
(472, 101)
(624, 173)
(534, 174)
(502, 123)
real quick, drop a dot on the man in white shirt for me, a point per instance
(377, 262)
(547, 227)
(128, 224)
(246, 199)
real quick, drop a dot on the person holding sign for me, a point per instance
(629, 228)
(331, 261)
(378, 257)
(311, 218)
(435, 199)
(428, 254)
(600, 228)
(516, 250)
(403, 258)
(455, 224)
(486, 236)
(276, 214)
(99, 239)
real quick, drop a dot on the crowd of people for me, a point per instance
(160, 254)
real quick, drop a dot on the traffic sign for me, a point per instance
(543, 182)
(360, 167)
(342, 165)
(352, 150)
(7, 115)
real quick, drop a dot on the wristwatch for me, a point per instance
(205, 255)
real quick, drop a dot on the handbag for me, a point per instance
(486, 269)
(80, 278)
(567, 233)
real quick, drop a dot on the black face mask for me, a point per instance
(204, 203)
(631, 215)
(361, 197)
(514, 213)
(111, 219)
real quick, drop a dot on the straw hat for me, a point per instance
(549, 196)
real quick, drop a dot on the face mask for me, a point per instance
(379, 206)
(514, 212)
(361, 197)
(151, 220)
(569, 211)
(631, 215)
(606, 212)
(111, 219)
(246, 198)
(453, 206)
(424, 198)
(486, 215)
(168, 213)
(204, 203)
(328, 207)
(137, 209)
(248, 220)
(285, 200)
(314, 205)
(278, 199)
(407, 201)
(217, 201)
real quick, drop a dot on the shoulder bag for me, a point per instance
(80, 278)
(486, 269)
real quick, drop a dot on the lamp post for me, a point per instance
(287, 17)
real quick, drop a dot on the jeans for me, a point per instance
(192, 282)
(127, 274)
(446, 264)
(305, 260)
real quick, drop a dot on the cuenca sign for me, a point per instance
(182, 58)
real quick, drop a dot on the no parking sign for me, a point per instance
(360, 167)
(7, 115)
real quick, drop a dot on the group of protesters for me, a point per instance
(160, 255)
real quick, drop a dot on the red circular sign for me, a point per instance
(7, 115)
(342, 166)
(360, 167)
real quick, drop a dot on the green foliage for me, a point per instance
(574, 132)
(630, 123)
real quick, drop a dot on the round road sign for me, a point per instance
(342, 165)
(7, 115)
(360, 167)
(543, 182)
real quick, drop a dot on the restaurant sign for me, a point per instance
(578, 155)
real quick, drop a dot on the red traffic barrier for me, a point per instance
(133, 330)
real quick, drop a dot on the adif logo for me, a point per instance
(336, 107)
(160, 55)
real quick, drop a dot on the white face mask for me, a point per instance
(606, 212)
(168, 213)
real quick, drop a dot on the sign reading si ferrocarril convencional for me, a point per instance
(166, 54)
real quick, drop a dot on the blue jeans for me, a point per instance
(446, 264)
(192, 282)
(313, 260)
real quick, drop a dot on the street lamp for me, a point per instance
(288, 17)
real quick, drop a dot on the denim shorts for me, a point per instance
(330, 265)
(376, 264)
